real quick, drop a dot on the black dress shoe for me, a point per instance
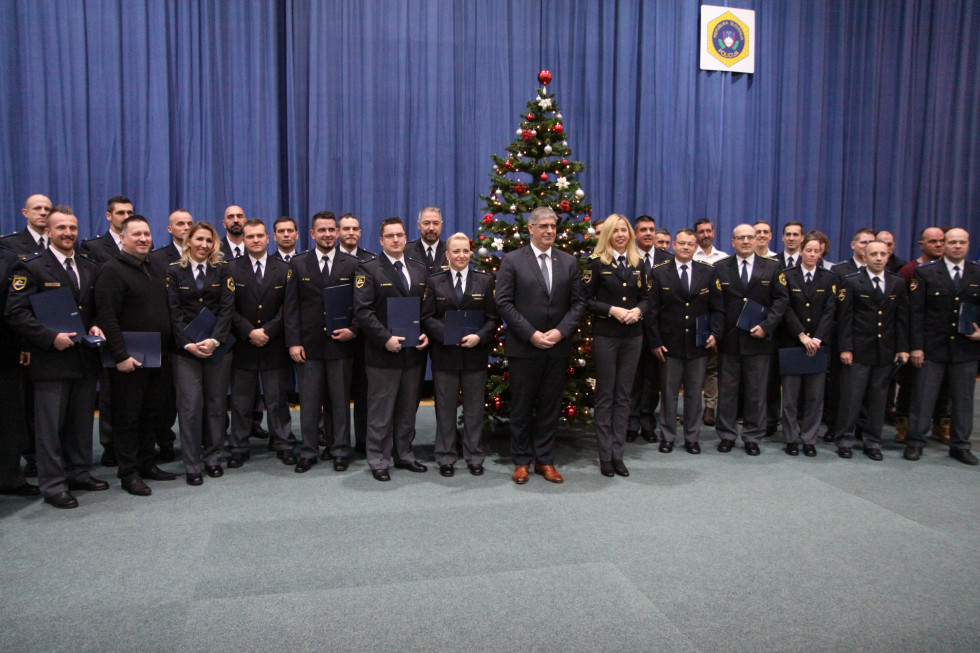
(631, 435)
(380, 474)
(963, 455)
(194, 479)
(809, 450)
(692, 447)
(828, 436)
(90, 484)
(873, 454)
(30, 469)
(167, 454)
(620, 468)
(476, 469)
(135, 486)
(154, 473)
(414, 466)
(666, 447)
(752, 448)
(259, 433)
(845, 452)
(62, 500)
(23, 490)
(446, 470)
(912, 453)
(726, 445)
(238, 459)
(606, 468)
(340, 464)
(304, 465)
(648, 435)
(325, 455)
(793, 448)
(286, 457)
(109, 458)
(214, 471)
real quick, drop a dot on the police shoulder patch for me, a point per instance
(782, 278)
(717, 283)
(231, 284)
(359, 281)
(587, 276)
(289, 274)
(19, 282)
(913, 284)
(842, 294)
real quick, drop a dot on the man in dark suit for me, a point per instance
(744, 357)
(233, 244)
(541, 298)
(872, 335)
(286, 234)
(430, 249)
(349, 237)
(645, 395)
(792, 240)
(31, 239)
(394, 367)
(324, 354)
(260, 352)
(939, 349)
(107, 246)
(64, 373)
(681, 291)
(859, 243)
(459, 367)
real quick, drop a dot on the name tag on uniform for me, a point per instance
(52, 284)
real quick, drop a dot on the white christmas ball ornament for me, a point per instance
(591, 231)
(482, 251)
(547, 149)
(498, 193)
(580, 193)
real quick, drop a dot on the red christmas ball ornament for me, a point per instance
(564, 162)
(571, 412)
(505, 376)
(488, 219)
(570, 371)
(586, 349)
(587, 218)
(544, 77)
(527, 135)
(558, 129)
(498, 403)
(530, 116)
(507, 164)
(544, 176)
(565, 206)
(520, 189)
(482, 237)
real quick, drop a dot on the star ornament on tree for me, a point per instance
(562, 183)
(544, 103)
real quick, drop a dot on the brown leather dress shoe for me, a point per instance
(520, 474)
(549, 472)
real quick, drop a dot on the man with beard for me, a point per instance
(350, 237)
(429, 249)
(233, 244)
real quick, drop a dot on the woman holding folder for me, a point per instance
(201, 291)
(616, 295)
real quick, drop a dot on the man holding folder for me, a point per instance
(64, 371)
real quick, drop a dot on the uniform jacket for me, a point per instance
(22, 243)
(303, 313)
(100, 248)
(935, 307)
(259, 306)
(811, 310)
(441, 297)
(673, 315)
(873, 330)
(608, 285)
(186, 301)
(767, 286)
(10, 347)
(162, 257)
(416, 250)
(374, 282)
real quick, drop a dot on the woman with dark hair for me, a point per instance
(616, 294)
(202, 369)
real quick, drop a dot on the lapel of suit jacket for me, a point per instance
(756, 275)
(535, 264)
(392, 274)
(59, 272)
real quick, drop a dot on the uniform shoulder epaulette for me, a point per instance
(661, 264)
(5, 248)
(417, 261)
(483, 272)
(441, 272)
(925, 265)
(973, 263)
(770, 258)
(302, 255)
(698, 261)
(593, 255)
(852, 274)
(725, 258)
(95, 237)
(6, 236)
(173, 263)
(32, 257)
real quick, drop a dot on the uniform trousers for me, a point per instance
(202, 387)
(645, 393)
(803, 427)
(13, 427)
(615, 364)
(536, 389)
(393, 400)
(358, 393)
(244, 385)
(137, 414)
(711, 382)
(324, 384)
(447, 385)
(688, 372)
(63, 427)
(862, 386)
(750, 374)
(962, 378)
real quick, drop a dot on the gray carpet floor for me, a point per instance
(717, 552)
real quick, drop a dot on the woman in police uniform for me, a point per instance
(616, 293)
(201, 371)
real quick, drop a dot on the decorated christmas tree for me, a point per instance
(538, 171)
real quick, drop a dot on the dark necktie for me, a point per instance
(258, 272)
(428, 256)
(544, 272)
(325, 271)
(622, 262)
(647, 263)
(878, 294)
(402, 284)
(200, 277)
(809, 278)
(956, 277)
(791, 262)
(42, 242)
(745, 273)
(287, 257)
(71, 273)
(238, 251)
(459, 287)
(685, 280)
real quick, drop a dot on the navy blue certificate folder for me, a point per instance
(969, 315)
(458, 324)
(144, 346)
(403, 319)
(202, 326)
(752, 315)
(57, 310)
(703, 330)
(793, 361)
(338, 306)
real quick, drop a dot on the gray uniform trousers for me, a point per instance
(63, 424)
(393, 400)
(750, 373)
(803, 427)
(962, 381)
(244, 385)
(447, 385)
(862, 386)
(202, 389)
(615, 368)
(645, 394)
(690, 373)
(325, 383)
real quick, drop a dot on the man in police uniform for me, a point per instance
(394, 367)
(63, 371)
(107, 246)
(233, 244)
(429, 248)
(324, 356)
(872, 336)
(938, 348)
(286, 235)
(31, 239)
(744, 357)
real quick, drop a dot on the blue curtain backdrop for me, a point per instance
(861, 112)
